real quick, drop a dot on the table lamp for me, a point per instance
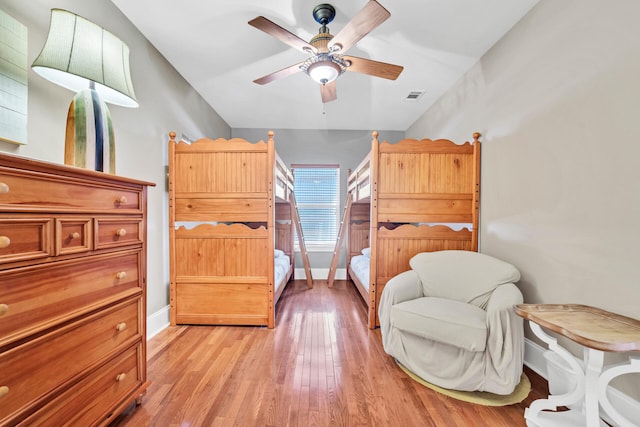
(85, 58)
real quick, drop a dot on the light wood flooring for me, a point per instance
(320, 366)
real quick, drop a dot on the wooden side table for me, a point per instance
(598, 331)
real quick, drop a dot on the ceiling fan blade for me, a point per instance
(285, 72)
(369, 17)
(328, 92)
(281, 34)
(373, 68)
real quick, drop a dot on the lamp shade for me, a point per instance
(78, 52)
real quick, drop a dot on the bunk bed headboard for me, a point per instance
(426, 181)
(222, 180)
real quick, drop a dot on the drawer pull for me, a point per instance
(4, 188)
(4, 242)
(121, 200)
(3, 309)
(121, 232)
(74, 235)
(121, 275)
(4, 390)
(121, 377)
(121, 326)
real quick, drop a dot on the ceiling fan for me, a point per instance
(327, 60)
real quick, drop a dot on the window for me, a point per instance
(317, 191)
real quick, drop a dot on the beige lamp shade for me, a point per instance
(78, 52)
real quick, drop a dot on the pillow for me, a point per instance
(462, 275)
(277, 253)
(366, 252)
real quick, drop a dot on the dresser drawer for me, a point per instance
(35, 298)
(25, 238)
(117, 232)
(33, 191)
(87, 403)
(31, 372)
(73, 235)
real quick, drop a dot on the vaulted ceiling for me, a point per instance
(211, 45)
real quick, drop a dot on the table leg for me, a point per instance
(611, 372)
(593, 360)
(533, 413)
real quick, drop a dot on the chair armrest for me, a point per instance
(504, 297)
(402, 287)
(505, 340)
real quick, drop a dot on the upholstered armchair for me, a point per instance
(450, 320)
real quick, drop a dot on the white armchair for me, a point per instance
(450, 320)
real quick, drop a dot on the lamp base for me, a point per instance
(89, 142)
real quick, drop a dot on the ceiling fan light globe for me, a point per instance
(324, 72)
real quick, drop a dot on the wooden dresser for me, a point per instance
(72, 294)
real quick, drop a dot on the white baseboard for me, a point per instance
(157, 321)
(321, 273)
(626, 405)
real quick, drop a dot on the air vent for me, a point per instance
(414, 95)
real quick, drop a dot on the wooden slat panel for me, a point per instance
(283, 211)
(221, 172)
(425, 146)
(451, 173)
(358, 238)
(284, 238)
(236, 280)
(246, 257)
(360, 212)
(221, 303)
(206, 145)
(222, 276)
(221, 230)
(423, 232)
(197, 257)
(223, 210)
(425, 210)
(426, 173)
(214, 251)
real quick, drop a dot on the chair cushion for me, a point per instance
(462, 275)
(451, 322)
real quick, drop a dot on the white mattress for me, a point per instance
(360, 267)
(280, 268)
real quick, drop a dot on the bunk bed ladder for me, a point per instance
(336, 252)
(303, 247)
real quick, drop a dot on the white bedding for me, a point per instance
(360, 267)
(281, 265)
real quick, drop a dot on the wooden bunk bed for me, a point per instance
(231, 219)
(404, 198)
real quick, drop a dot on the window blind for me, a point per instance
(317, 191)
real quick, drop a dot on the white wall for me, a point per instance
(167, 103)
(558, 103)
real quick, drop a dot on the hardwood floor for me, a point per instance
(321, 365)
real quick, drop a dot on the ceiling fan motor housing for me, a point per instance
(324, 13)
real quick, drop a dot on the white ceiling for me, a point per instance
(211, 45)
